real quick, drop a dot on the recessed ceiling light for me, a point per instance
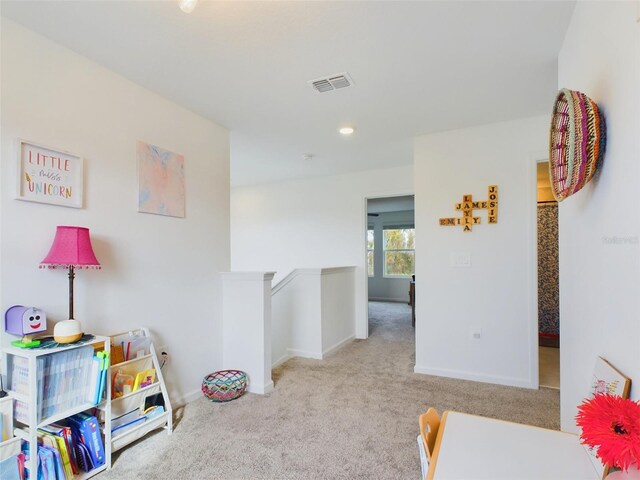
(188, 6)
(346, 130)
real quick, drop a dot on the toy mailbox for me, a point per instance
(24, 322)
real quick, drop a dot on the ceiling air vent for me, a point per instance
(334, 82)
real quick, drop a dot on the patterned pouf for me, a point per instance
(224, 385)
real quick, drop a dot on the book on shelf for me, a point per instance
(129, 420)
(60, 454)
(117, 354)
(49, 462)
(86, 430)
(64, 380)
(94, 376)
(144, 378)
(65, 451)
(6, 420)
(63, 433)
(99, 376)
(133, 345)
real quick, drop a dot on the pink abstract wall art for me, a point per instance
(161, 181)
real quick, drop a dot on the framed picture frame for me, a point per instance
(161, 181)
(606, 379)
(49, 175)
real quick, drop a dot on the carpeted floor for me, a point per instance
(353, 415)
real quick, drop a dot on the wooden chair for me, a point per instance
(429, 424)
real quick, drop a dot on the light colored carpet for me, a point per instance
(353, 415)
(549, 367)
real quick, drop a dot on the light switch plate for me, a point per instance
(460, 259)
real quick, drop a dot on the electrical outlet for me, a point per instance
(476, 334)
(163, 354)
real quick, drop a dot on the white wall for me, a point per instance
(246, 332)
(313, 313)
(157, 271)
(311, 223)
(497, 293)
(297, 316)
(381, 287)
(338, 308)
(600, 225)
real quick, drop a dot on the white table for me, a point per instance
(469, 447)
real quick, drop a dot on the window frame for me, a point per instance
(396, 226)
(371, 228)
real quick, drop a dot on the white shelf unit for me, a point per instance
(29, 431)
(9, 445)
(121, 405)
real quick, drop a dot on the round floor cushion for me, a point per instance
(224, 385)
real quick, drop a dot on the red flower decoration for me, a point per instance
(612, 424)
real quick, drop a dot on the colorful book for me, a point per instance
(58, 444)
(87, 431)
(94, 379)
(103, 358)
(64, 433)
(135, 346)
(117, 354)
(126, 421)
(51, 463)
(144, 379)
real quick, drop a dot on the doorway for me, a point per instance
(548, 281)
(390, 243)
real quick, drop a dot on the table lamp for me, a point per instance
(71, 249)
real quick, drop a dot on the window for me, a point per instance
(370, 248)
(399, 251)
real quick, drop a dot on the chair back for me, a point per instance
(429, 424)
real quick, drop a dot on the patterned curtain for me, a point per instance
(548, 285)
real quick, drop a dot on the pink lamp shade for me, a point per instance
(71, 248)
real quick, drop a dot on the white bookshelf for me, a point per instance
(9, 445)
(118, 406)
(28, 430)
(106, 409)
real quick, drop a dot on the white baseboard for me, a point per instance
(292, 352)
(462, 375)
(280, 361)
(261, 389)
(186, 398)
(304, 354)
(392, 300)
(339, 345)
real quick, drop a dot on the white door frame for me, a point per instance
(542, 158)
(362, 323)
(534, 374)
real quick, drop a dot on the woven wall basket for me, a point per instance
(576, 144)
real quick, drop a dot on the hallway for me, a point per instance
(391, 321)
(352, 415)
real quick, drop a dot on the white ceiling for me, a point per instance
(419, 67)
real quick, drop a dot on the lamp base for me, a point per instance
(67, 331)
